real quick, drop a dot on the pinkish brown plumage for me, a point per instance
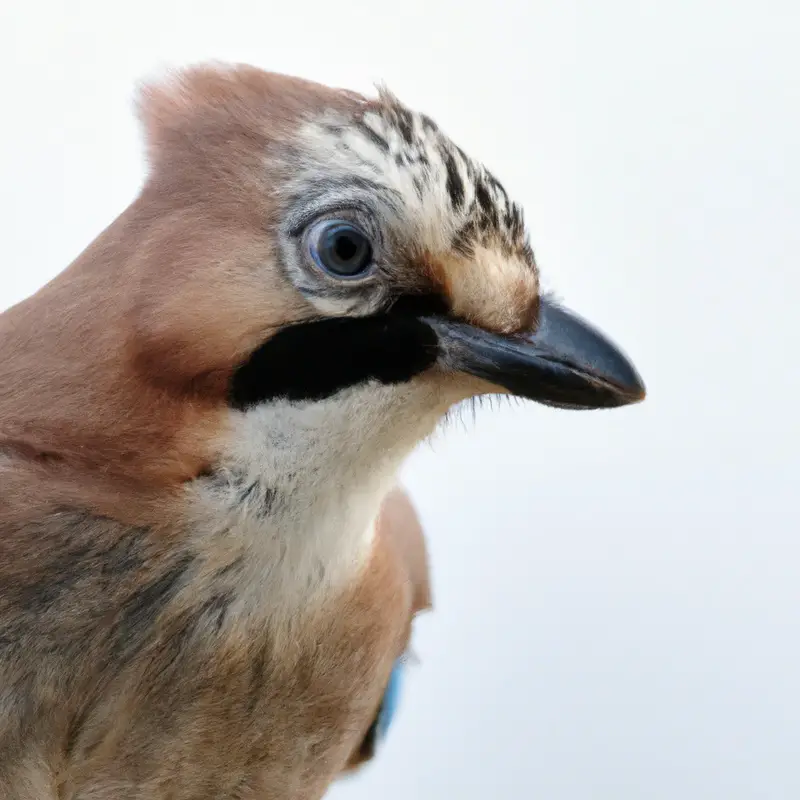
(206, 574)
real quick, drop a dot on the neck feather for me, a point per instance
(298, 486)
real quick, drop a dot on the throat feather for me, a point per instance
(299, 484)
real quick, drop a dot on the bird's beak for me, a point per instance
(565, 362)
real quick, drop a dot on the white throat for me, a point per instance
(299, 485)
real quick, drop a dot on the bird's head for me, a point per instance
(292, 244)
(348, 241)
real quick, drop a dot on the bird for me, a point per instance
(209, 570)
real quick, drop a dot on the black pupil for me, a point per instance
(345, 251)
(345, 248)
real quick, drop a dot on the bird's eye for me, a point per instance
(340, 249)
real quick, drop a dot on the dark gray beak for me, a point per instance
(565, 362)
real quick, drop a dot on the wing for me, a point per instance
(399, 523)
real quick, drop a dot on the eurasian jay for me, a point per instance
(207, 575)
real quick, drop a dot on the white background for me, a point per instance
(618, 593)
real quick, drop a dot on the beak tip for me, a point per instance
(628, 391)
(635, 396)
(635, 391)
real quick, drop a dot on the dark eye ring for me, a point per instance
(340, 249)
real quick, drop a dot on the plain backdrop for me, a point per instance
(618, 593)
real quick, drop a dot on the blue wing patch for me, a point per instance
(384, 716)
(391, 699)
